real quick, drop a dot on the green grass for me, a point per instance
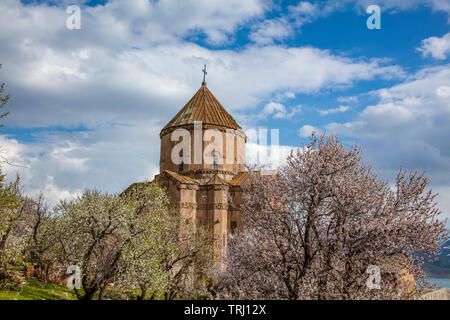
(36, 290)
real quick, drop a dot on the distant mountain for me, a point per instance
(441, 267)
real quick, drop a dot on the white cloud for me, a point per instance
(268, 31)
(271, 30)
(164, 20)
(307, 130)
(408, 127)
(271, 157)
(339, 109)
(413, 107)
(11, 152)
(305, 8)
(128, 71)
(278, 111)
(348, 99)
(289, 95)
(443, 92)
(109, 72)
(438, 48)
(444, 200)
(393, 6)
(62, 164)
(54, 194)
(294, 111)
(67, 159)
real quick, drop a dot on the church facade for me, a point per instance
(202, 167)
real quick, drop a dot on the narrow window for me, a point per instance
(215, 162)
(233, 226)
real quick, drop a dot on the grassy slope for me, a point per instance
(36, 290)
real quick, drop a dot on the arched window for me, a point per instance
(181, 165)
(215, 162)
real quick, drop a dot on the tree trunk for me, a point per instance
(4, 238)
(89, 294)
(47, 271)
(77, 293)
(170, 295)
(101, 295)
(323, 293)
(143, 293)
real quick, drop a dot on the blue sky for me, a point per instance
(87, 105)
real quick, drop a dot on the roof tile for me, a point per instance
(203, 107)
(241, 179)
(179, 177)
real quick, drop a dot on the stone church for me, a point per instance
(201, 190)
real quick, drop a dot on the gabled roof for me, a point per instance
(135, 185)
(241, 179)
(180, 178)
(203, 107)
(216, 180)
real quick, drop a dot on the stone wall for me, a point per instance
(234, 140)
(436, 294)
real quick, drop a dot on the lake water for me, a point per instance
(440, 283)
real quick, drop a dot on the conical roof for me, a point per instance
(203, 107)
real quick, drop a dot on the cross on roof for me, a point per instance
(204, 73)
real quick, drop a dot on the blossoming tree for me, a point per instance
(313, 230)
